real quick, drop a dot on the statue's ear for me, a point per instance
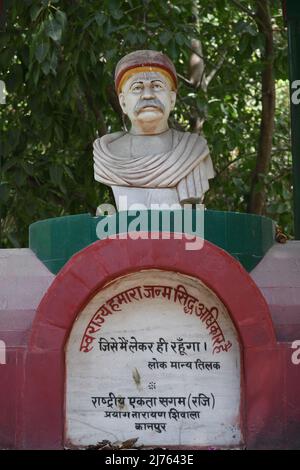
(173, 99)
(122, 102)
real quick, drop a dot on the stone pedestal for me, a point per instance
(143, 338)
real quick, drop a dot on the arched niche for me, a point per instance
(154, 355)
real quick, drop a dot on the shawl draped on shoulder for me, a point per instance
(187, 166)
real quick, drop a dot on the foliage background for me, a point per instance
(57, 60)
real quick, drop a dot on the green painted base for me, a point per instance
(246, 237)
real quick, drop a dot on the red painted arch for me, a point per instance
(89, 270)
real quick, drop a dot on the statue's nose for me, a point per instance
(147, 93)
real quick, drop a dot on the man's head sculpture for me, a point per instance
(151, 164)
(146, 85)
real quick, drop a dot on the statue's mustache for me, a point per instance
(153, 102)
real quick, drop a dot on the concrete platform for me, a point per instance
(278, 278)
(24, 280)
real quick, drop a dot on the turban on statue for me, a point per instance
(144, 61)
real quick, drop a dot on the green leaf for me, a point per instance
(35, 11)
(20, 176)
(53, 29)
(61, 18)
(243, 27)
(87, 23)
(180, 38)
(15, 78)
(110, 53)
(13, 137)
(4, 192)
(62, 187)
(131, 37)
(244, 44)
(46, 68)
(201, 104)
(56, 173)
(114, 5)
(36, 75)
(117, 14)
(100, 18)
(142, 37)
(42, 51)
(53, 62)
(28, 168)
(165, 37)
(6, 56)
(152, 24)
(172, 49)
(283, 207)
(69, 172)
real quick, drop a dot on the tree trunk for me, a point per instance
(257, 196)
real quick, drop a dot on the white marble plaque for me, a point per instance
(154, 355)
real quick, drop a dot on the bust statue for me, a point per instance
(151, 164)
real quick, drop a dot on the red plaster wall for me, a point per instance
(32, 390)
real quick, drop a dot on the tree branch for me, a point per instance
(215, 70)
(240, 157)
(186, 81)
(248, 12)
(243, 8)
(257, 194)
(190, 48)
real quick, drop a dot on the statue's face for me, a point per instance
(147, 97)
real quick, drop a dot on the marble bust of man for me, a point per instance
(151, 163)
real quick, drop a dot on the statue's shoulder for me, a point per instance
(188, 137)
(110, 143)
(108, 139)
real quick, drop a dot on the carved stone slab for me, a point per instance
(154, 355)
